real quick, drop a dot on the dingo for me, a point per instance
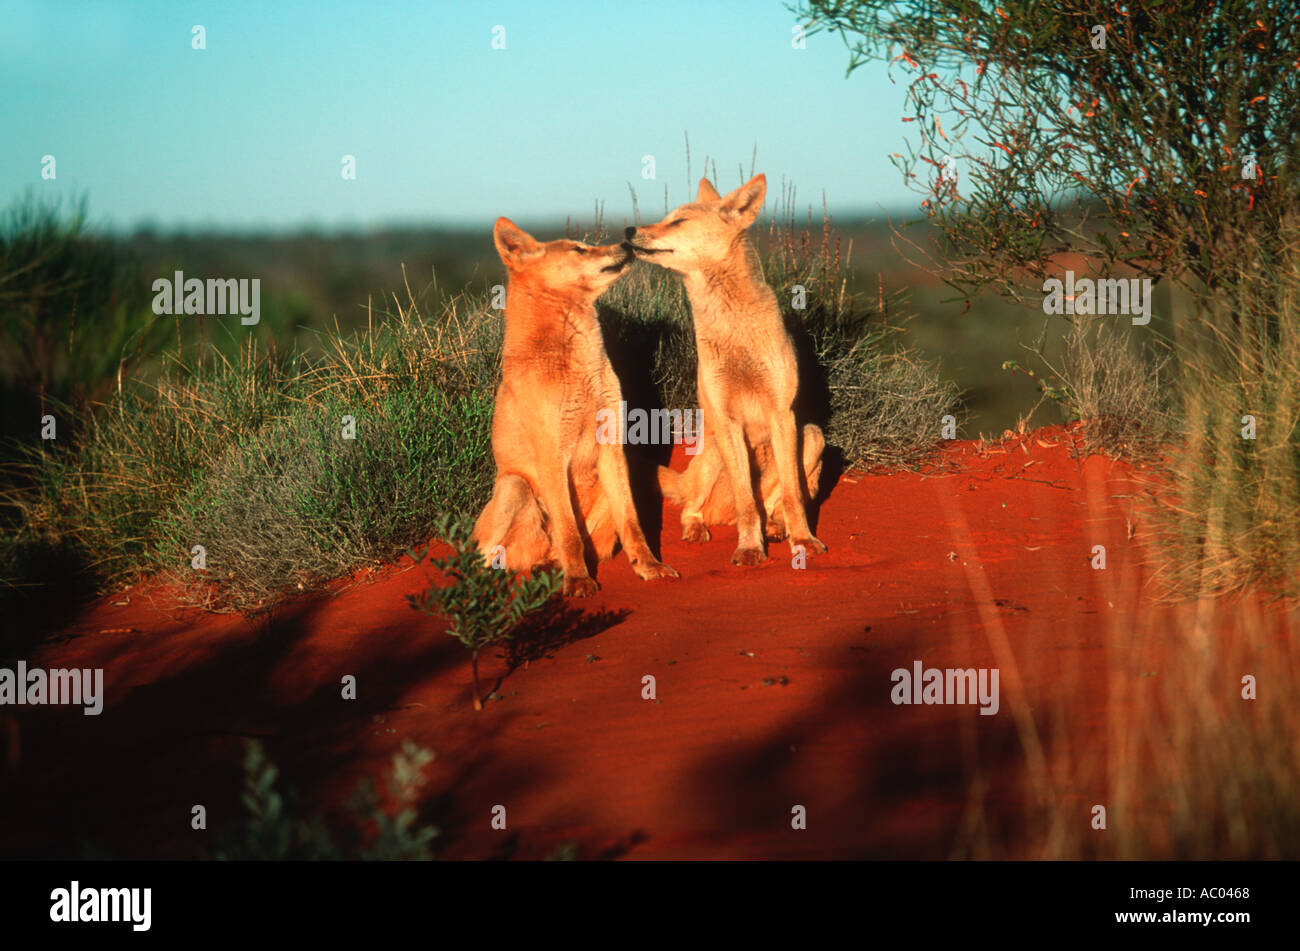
(559, 494)
(747, 378)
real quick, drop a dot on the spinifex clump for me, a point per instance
(482, 605)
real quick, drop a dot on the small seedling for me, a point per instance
(482, 605)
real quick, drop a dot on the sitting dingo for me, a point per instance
(559, 494)
(748, 378)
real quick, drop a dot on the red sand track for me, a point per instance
(773, 687)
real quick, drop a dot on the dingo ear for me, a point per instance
(707, 191)
(743, 205)
(514, 244)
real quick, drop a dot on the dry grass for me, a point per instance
(1229, 519)
(246, 457)
(1185, 765)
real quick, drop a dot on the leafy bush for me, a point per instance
(246, 457)
(483, 605)
(271, 833)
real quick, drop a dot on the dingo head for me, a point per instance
(568, 267)
(698, 235)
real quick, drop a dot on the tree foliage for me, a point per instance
(1162, 136)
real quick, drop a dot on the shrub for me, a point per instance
(483, 605)
(270, 832)
(1119, 396)
(246, 457)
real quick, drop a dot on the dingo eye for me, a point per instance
(674, 224)
(580, 249)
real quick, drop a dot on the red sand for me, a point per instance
(773, 686)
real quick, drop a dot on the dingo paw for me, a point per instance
(696, 533)
(650, 571)
(748, 557)
(811, 544)
(580, 587)
(774, 531)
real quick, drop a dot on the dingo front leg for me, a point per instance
(698, 481)
(612, 467)
(557, 499)
(790, 470)
(730, 437)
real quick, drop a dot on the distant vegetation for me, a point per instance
(247, 462)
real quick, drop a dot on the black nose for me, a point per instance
(629, 232)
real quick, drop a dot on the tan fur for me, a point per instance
(560, 496)
(748, 377)
(719, 507)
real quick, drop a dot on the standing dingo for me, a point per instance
(748, 377)
(559, 494)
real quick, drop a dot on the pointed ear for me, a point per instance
(707, 192)
(514, 244)
(744, 204)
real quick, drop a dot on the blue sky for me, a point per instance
(249, 134)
